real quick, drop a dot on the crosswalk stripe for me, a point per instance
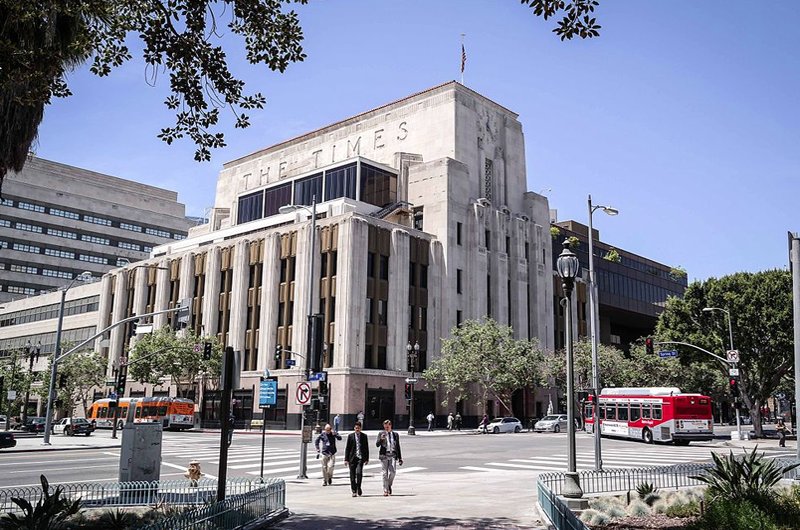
(410, 469)
(476, 468)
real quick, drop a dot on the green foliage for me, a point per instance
(587, 515)
(760, 305)
(613, 256)
(554, 232)
(644, 489)
(576, 20)
(51, 512)
(16, 378)
(638, 508)
(165, 355)
(651, 498)
(485, 356)
(749, 478)
(729, 514)
(574, 242)
(83, 372)
(683, 510)
(677, 273)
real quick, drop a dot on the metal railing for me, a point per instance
(562, 517)
(234, 512)
(99, 494)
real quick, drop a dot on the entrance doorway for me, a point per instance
(380, 406)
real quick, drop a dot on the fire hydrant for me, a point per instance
(193, 472)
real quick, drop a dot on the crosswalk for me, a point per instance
(613, 458)
(246, 460)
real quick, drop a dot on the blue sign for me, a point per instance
(318, 376)
(290, 362)
(671, 353)
(267, 394)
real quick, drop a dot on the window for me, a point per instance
(423, 318)
(412, 267)
(306, 189)
(382, 312)
(508, 245)
(147, 249)
(31, 207)
(7, 202)
(369, 310)
(636, 412)
(15, 289)
(487, 178)
(95, 259)
(341, 182)
(487, 236)
(459, 317)
(423, 276)
(178, 237)
(27, 227)
(95, 239)
(371, 264)
(251, 207)
(527, 248)
(276, 197)
(458, 233)
(5, 224)
(622, 413)
(418, 218)
(57, 274)
(646, 412)
(23, 269)
(61, 233)
(129, 246)
(156, 232)
(59, 253)
(611, 412)
(132, 228)
(384, 267)
(378, 187)
(63, 213)
(656, 412)
(96, 220)
(26, 248)
(458, 281)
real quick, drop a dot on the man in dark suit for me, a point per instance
(356, 456)
(389, 443)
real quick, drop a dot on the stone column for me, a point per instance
(441, 310)
(186, 289)
(162, 294)
(211, 296)
(351, 289)
(239, 293)
(397, 317)
(117, 333)
(270, 284)
(301, 292)
(104, 306)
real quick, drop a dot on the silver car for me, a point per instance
(552, 423)
(499, 425)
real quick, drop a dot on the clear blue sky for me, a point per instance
(684, 115)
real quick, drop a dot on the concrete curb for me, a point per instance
(48, 449)
(543, 517)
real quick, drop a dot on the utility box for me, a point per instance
(140, 454)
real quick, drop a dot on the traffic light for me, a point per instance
(323, 388)
(62, 381)
(408, 392)
(648, 344)
(121, 377)
(207, 351)
(734, 387)
(278, 355)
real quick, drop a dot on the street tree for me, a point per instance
(614, 367)
(483, 359)
(79, 375)
(179, 39)
(16, 378)
(178, 358)
(760, 306)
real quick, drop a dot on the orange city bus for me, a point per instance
(661, 414)
(172, 413)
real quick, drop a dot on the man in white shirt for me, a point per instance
(389, 444)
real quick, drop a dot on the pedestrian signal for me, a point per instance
(648, 344)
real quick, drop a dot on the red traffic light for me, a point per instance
(648, 344)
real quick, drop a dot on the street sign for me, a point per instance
(670, 353)
(267, 394)
(111, 383)
(123, 360)
(318, 376)
(302, 393)
(733, 372)
(12, 394)
(290, 362)
(411, 380)
(142, 329)
(733, 356)
(112, 395)
(197, 347)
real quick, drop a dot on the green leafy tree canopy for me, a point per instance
(83, 372)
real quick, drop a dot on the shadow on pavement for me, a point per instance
(319, 522)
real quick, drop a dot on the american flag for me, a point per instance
(463, 58)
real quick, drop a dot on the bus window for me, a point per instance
(138, 412)
(162, 411)
(588, 411)
(645, 412)
(636, 412)
(602, 412)
(123, 412)
(656, 412)
(103, 412)
(622, 412)
(611, 412)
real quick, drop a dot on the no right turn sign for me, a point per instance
(302, 394)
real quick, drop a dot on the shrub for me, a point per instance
(638, 508)
(615, 511)
(749, 478)
(683, 510)
(651, 498)
(574, 242)
(644, 489)
(587, 515)
(599, 519)
(599, 505)
(661, 506)
(554, 232)
(51, 511)
(729, 514)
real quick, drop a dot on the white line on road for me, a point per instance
(184, 469)
(65, 468)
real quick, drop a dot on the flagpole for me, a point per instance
(463, 55)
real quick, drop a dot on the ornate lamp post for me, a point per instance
(568, 268)
(413, 353)
(33, 355)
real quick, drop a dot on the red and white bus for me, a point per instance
(172, 413)
(660, 414)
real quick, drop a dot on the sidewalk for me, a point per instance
(59, 442)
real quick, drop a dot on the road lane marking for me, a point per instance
(65, 468)
(206, 475)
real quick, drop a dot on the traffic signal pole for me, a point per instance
(794, 247)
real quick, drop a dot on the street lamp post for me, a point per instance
(302, 474)
(51, 394)
(33, 353)
(593, 315)
(730, 337)
(413, 352)
(568, 268)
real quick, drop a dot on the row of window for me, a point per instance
(24, 205)
(627, 287)
(53, 273)
(84, 237)
(47, 340)
(626, 412)
(66, 254)
(46, 312)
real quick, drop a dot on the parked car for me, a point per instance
(499, 425)
(7, 439)
(34, 424)
(72, 426)
(552, 423)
